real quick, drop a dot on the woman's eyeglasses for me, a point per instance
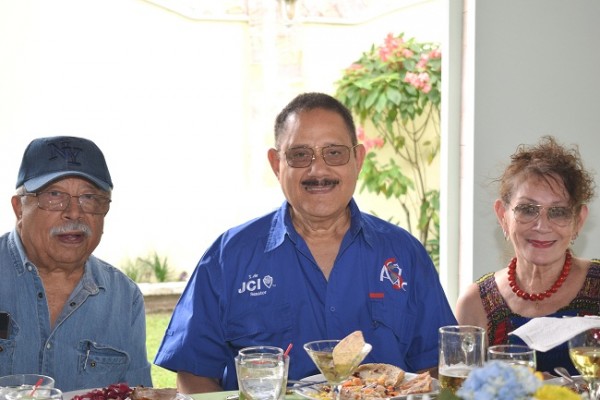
(526, 213)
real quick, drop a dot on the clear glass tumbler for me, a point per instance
(515, 354)
(262, 373)
(38, 393)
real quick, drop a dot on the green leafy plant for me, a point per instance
(150, 268)
(136, 271)
(158, 266)
(395, 90)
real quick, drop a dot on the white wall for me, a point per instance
(536, 69)
(142, 82)
(145, 84)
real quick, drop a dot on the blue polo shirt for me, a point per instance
(259, 284)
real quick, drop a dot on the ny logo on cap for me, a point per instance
(67, 152)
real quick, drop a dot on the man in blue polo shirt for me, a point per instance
(316, 268)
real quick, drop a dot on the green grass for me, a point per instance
(156, 324)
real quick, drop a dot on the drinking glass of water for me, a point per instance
(9, 383)
(39, 393)
(262, 373)
(515, 354)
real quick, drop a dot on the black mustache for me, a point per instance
(322, 182)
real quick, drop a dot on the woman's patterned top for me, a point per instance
(502, 321)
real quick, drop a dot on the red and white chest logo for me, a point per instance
(391, 271)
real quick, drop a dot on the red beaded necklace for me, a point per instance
(512, 280)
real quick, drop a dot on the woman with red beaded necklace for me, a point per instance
(542, 207)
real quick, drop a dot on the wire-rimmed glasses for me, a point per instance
(558, 215)
(53, 200)
(334, 155)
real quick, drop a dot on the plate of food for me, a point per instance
(121, 391)
(372, 381)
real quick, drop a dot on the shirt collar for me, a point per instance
(90, 281)
(281, 225)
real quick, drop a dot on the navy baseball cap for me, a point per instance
(51, 158)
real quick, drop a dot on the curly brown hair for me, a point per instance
(549, 161)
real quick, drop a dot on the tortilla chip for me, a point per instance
(348, 349)
(382, 374)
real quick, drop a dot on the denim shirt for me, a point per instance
(98, 339)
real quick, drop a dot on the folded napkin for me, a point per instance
(545, 333)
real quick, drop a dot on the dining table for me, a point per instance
(224, 395)
(290, 396)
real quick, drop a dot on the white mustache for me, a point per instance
(70, 227)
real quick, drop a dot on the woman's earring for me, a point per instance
(573, 238)
(505, 235)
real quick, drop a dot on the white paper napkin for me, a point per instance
(545, 333)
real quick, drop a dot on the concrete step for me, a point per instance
(161, 297)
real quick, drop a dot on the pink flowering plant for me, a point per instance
(394, 89)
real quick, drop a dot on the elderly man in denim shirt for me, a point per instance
(71, 315)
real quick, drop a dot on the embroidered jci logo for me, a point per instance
(256, 286)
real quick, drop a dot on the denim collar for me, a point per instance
(91, 280)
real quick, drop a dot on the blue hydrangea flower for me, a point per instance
(499, 381)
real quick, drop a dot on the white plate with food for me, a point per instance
(373, 381)
(115, 392)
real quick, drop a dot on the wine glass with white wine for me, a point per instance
(584, 350)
